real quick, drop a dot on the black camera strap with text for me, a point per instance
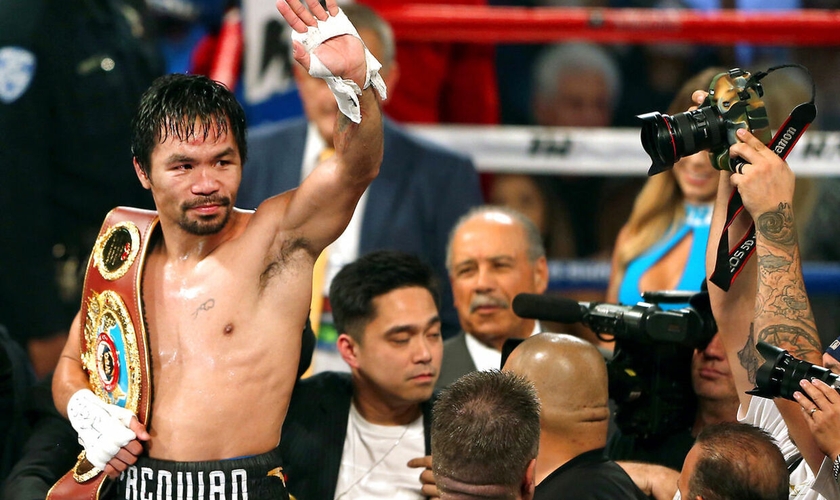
(729, 263)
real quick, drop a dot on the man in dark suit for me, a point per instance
(352, 436)
(412, 205)
(495, 253)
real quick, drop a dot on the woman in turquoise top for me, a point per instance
(663, 244)
(663, 247)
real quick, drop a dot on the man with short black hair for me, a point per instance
(351, 436)
(485, 437)
(223, 293)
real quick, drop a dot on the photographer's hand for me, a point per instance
(822, 413)
(698, 96)
(766, 181)
(782, 314)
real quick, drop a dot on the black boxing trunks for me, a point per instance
(250, 478)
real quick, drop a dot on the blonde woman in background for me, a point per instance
(663, 244)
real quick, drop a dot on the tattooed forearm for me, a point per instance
(791, 303)
(749, 357)
(799, 342)
(778, 226)
(770, 263)
(206, 306)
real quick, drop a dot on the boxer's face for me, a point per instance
(194, 181)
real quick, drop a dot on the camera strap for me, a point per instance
(729, 263)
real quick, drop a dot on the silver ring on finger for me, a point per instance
(812, 411)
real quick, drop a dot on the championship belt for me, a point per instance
(114, 344)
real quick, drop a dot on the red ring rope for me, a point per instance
(486, 24)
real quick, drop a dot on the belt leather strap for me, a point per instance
(114, 344)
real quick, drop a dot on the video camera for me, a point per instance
(781, 373)
(650, 371)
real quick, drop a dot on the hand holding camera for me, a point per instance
(765, 181)
(821, 404)
(733, 111)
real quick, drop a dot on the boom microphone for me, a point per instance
(642, 322)
(547, 308)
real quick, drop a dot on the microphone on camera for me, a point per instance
(642, 322)
(548, 308)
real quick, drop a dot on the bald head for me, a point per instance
(570, 376)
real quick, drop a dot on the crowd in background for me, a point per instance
(57, 112)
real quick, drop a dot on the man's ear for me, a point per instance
(541, 275)
(349, 350)
(141, 174)
(528, 481)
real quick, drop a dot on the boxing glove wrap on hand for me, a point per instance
(346, 92)
(103, 428)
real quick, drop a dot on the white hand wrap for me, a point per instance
(102, 427)
(346, 92)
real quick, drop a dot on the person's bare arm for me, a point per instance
(616, 274)
(782, 315)
(322, 206)
(68, 380)
(656, 481)
(69, 376)
(733, 310)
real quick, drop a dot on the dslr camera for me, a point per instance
(734, 102)
(781, 373)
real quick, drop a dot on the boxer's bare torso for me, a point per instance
(226, 292)
(225, 346)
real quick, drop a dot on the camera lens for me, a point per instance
(780, 374)
(659, 141)
(666, 138)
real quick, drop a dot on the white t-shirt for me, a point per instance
(373, 463)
